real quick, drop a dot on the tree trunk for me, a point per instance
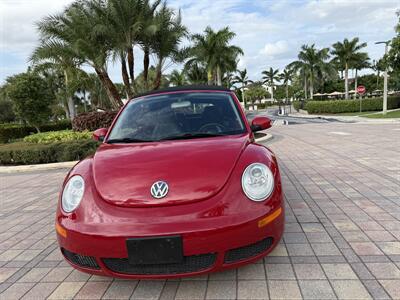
(125, 77)
(287, 92)
(157, 82)
(131, 64)
(219, 79)
(346, 81)
(272, 93)
(311, 88)
(244, 101)
(110, 88)
(71, 108)
(305, 88)
(209, 77)
(146, 64)
(355, 85)
(377, 79)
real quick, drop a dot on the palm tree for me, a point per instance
(287, 76)
(213, 49)
(242, 79)
(147, 34)
(346, 53)
(196, 73)
(58, 57)
(360, 62)
(166, 40)
(311, 62)
(125, 23)
(81, 30)
(269, 78)
(378, 67)
(177, 78)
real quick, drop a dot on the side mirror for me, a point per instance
(100, 134)
(260, 123)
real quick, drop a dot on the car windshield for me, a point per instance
(177, 116)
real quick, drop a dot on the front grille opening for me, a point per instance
(81, 260)
(194, 263)
(246, 252)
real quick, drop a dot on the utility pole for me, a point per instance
(385, 78)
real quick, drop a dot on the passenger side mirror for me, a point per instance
(260, 123)
(100, 134)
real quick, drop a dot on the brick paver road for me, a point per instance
(342, 238)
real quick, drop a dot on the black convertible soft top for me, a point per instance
(186, 88)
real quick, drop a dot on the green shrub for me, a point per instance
(57, 136)
(343, 106)
(21, 153)
(9, 132)
(93, 120)
(297, 105)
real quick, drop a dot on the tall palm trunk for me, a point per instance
(272, 93)
(244, 100)
(219, 79)
(305, 87)
(131, 64)
(157, 82)
(355, 85)
(209, 77)
(311, 87)
(110, 88)
(125, 77)
(346, 81)
(287, 92)
(146, 64)
(70, 100)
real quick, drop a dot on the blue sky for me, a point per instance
(270, 32)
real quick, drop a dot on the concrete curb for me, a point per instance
(264, 138)
(40, 167)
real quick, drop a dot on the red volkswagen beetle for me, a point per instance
(178, 187)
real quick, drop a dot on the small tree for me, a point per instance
(31, 98)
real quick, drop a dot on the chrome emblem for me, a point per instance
(159, 189)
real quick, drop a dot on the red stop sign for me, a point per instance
(361, 89)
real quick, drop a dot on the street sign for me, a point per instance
(361, 89)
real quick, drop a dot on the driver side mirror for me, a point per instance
(260, 123)
(100, 134)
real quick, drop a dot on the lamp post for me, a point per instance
(385, 78)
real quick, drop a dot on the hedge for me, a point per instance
(57, 136)
(9, 132)
(93, 120)
(21, 153)
(343, 106)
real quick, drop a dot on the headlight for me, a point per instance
(72, 193)
(257, 182)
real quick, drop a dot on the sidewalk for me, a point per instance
(350, 119)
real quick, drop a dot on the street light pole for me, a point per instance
(385, 78)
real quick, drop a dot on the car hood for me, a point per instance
(194, 169)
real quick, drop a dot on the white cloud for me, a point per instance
(277, 49)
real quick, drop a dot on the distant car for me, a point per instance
(178, 187)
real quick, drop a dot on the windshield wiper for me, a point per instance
(126, 141)
(194, 135)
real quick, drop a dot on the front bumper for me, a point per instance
(204, 251)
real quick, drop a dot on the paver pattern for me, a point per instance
(342, 236)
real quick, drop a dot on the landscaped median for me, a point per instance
(347, 106)
(48, 147)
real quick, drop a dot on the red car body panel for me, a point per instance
(206, 205)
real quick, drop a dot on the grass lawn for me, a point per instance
(391, 114)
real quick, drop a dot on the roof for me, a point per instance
(186, 88)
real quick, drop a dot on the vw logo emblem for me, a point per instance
(159, 189)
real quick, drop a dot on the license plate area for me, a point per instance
(155, 250)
